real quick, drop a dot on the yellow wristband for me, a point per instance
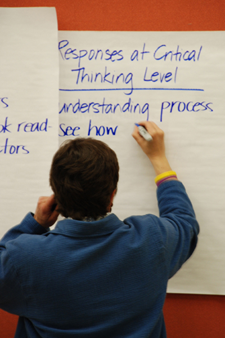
(165, 175)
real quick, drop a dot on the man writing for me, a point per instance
(95, 275)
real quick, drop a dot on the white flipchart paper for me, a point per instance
(111, 80)
(29, 85)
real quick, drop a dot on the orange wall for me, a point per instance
(186, 316)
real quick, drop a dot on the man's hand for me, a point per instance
(46, 211)
(155, 149)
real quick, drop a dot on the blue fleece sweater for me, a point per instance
(104, 279)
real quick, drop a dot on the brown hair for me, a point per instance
(84, 173)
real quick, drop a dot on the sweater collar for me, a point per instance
(75, 228)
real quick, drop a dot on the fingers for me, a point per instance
(46, 211)
(51, 203)
(155, 150)
(156, 146)
(152, 129)
(47, 203)
(137, 136)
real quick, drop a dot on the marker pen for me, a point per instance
(143, 132)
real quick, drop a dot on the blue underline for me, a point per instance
(130, 89)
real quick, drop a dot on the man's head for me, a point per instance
(83, 177)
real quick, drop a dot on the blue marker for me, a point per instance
(143, 132)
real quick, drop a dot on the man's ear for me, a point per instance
(111, 200)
